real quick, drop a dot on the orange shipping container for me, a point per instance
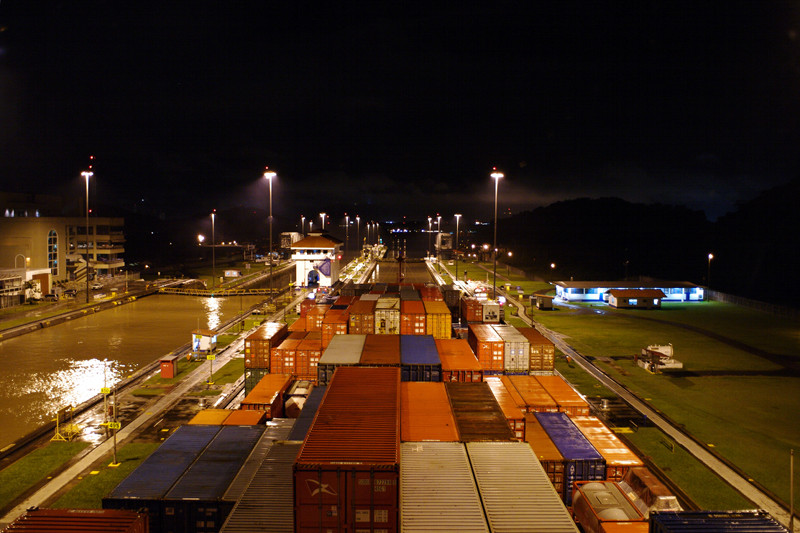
(488, 346)
(307, 357)
(210, 417)
(283, 357)
(619, 458)
(542, 350)
(545, 450)
(426, 414)
(412, 317)
(315, 316)
(568, 400)
(268, 395)
(240, 417)
(458, 361)
(381, 350)
(439, 321)
(514, 415)
(305, 305)
(258, 345)
(298, 325)
(535, 398)
(362, 317)
(431, 293)
(472, 310)
(334, 323)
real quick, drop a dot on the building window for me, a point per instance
(52, 252)
(633, 301)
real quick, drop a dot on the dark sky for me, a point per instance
(404, 109)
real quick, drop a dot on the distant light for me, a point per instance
(710, 257)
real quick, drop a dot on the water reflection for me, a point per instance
(212, 306)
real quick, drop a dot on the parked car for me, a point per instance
(96, 286)
(52, 297)
(71, 293)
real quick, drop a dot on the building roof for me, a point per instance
(316, 241)
(625, 284)
(636, 293)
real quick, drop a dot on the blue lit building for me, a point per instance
(597, 291)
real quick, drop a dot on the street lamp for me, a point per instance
(310, 225)
(87, 174)
(322, 216)
(377, 233)
(497, 176)
(346, 232)
(439, 235)
(268, 175)
(429, 236)
(302, 225)
(358, 234)
(708, 278)
(507, 265)
(213, 252)
(458, 216)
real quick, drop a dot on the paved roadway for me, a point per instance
(734, 478)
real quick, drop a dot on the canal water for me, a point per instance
(64, 365)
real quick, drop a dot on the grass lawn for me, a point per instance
(34, 467)
(233, 370)
(157, 385)
(96, 484)
(745, 405)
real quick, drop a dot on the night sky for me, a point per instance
(399, 110)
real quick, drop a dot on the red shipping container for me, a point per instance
(535, 398)
(305, 305)
(37, 520)
(508, 403)
(258, 345)
(307, 357)
(315, 316)
(334, 323)
(431, 293)
(347, 472)
(472, 310)
(362, 317)
(458, 361)
(381, 350)
(567, 398)
(283, 357)
(298, 325)
(488, 346)
(412, 317)
(268, 395)
(344, 300)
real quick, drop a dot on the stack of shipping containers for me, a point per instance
(426, 413)
(511, 410)
(458, 361)
(542, 352)
(568, 400)
(437, 489)
(37, 520)
(282, 360)
(257, 351)
(412, 317)
(419, 358)
(488, 346)
(267, 396)
(647, 492)
(387, 315)
(619, 458)
(477, 415)
(438, 320)
(516, 357)
(238, 417)
(307, 357)
(347, 472)
(362, 317)
(344, 350)
(546, 451)
(334, 323)
(315, 316)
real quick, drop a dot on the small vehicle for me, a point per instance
(71, 293)
(52, 297)
(96, 286)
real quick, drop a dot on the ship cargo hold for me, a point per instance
(619, 458)
(438, 320)
(477, 415)
(437, 489)
(195, 503)
(581, 461)
(488, 347)
(597, 504)
(458, 361)
(535, 399)
(37, 520)
(512, 412)
(426, 414)
(267, 396)
(546, 451)
(266, 504)
(412, 317)
(344, 350)
(258, 345)
(516, 493)
(419, 358)
(346, 474)
(567, 398)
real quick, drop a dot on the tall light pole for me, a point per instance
(458, 216)
(87, 174)
(268, 175)
(302, 225)
(310, 225)
(358, 234)
(429, 236)
(322, 216)
(439, 235)
(377, 232)
(346, 232)
(497, 176)
(708, 278)
(213, 252)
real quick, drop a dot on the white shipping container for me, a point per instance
(491, 312)
(343, 350)
(387, 316)
(516, 492)
(437, 490)
(517, 349)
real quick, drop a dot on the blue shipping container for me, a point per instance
(195, 501)
(306, 418)
(714, 522)
(147, 485)
(419, 358)
(582, 462)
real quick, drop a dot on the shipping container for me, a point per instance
(274, 430)
(625, 527)
(240, 417)
(438, 320)
(534, 396)
(381, 350)
(425, 412)
(145, 487)
(452, 295)
(268, 395)
(251, 378)
(458, 361)
(546, 451)
(370, 296)
(258, 345)
(419, 358)
(37, 520)
(437, 488)
(284, 356)
(409, 293)
(477, 414)
(387, 316)
(298, 325)
(647, 492)
(581, 461)
(306, 418)
(298, 335)
(598, 503)
(348, 288)
(412, 317)
(516, 493)
(210, 417)
(314, 317)
(343, 302)
(714, 522)
(542, 350)
(362, 317)
(346, 475)
(431, 293)
(488, 347)
(335, 323)
(307, 357)
(567, 398)
(512, 412)
(195, 503)
(619, 458)
(305, 305)
(516, 358)
(344, 350)
(472, 310)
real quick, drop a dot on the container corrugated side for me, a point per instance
(514, 415)
(344, 350)
(282, 359)
(195, 501)
(240, 417)
(251, 378)
(258, 345)
(381, 350)
(37, 520)
(426, 414)
(516, 493)
(315, 316)
(535, 396)
(439, 320)
(210, 417)
(387, 316)
(307, 358)
(619, 458)
(362, 317)
(517, 353)
(335, 323)
(412, 317)
(488, 347)
(306, 418)
(582, 462)
(266, 506)
(268, 395)
(419, 358)
(477, 414)
(542, 350)
(714, 522)
(567, 398)
(431, 293)
(347, 471)
(437, 489)
(458, 361)
(546, 451)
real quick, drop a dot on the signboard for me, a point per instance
(232, 273)
(105, 390)
(211, 357)
(115, 425)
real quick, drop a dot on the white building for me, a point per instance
(317, 260)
